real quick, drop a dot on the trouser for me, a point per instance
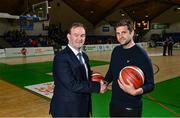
(164, 50)
(125, 112)
(170, 50)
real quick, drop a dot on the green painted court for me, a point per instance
(164, 101)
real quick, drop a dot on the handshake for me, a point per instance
(104, 86)
(96, 76)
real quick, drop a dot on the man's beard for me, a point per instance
(126, 43)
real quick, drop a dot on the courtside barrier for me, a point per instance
(105, 47)
(2, 53)
(35, 51)
(29, 51)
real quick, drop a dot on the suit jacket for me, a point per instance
(72, 91)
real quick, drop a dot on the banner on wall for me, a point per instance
(105, 29)
(89, 48)
(160, 26)
(20, 52)
(43, 50)
(105, 47)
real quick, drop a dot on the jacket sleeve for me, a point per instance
(69, 77)
(149, 76)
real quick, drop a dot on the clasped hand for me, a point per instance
(103, 85)
(129, 88)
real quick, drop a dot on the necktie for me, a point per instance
(81, 61)
(80, 57)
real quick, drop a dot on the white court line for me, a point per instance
(155, 54)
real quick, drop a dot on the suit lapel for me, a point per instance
(71, 55)
(76, 62)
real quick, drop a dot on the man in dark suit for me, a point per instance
(71, 72)
(165, 45)
(170, 46)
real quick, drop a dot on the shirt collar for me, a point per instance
(74, 50)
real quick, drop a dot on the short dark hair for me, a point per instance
(125, 22)
(74, 25)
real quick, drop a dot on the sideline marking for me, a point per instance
(162, 105)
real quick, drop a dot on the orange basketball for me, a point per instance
(96, 76)
(134, 74)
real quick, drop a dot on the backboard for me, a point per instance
(41, 10)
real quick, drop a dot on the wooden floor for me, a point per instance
(17, 102)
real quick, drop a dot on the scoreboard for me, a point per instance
(141, 25)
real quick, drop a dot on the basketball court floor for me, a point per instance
(18, 102)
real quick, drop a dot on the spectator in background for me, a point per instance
(170, 45)
(165, 45)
